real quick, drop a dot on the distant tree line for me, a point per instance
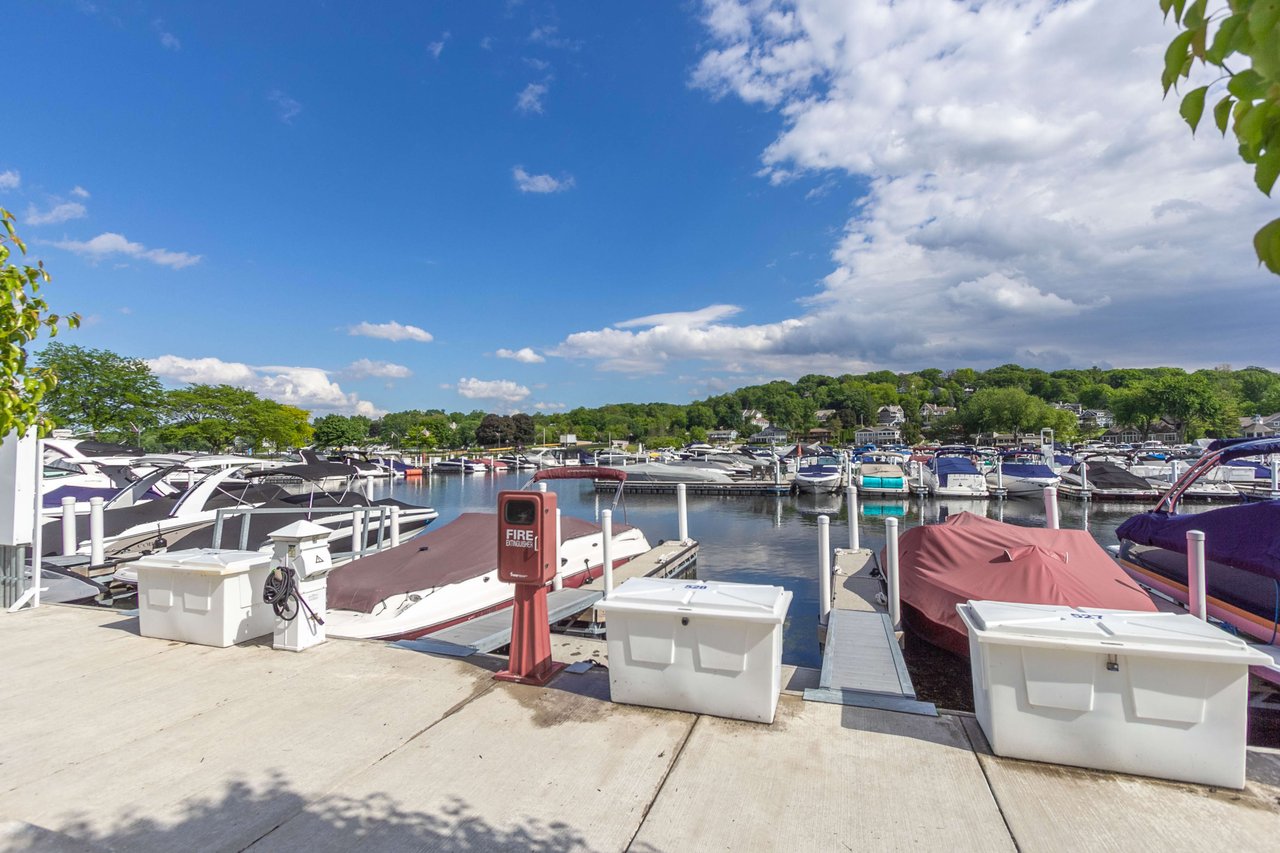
(112, 396)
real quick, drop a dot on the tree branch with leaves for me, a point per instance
(1243, 31)
(23, 315)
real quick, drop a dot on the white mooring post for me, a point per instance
(1275, 473)
(824, 569)
(557, 582)
(1051, 507)
(891, 570)
(97, 555)
(999, 478)
(606, 549)
(1084, 480)
(358, 535)
(68, 526)
(851, 501)
(682, 510)
(1195, 574)
(395, 526)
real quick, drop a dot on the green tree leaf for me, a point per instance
(1175, 58)
(1267, 244)
(1264, 17)
(1224, 40)
(1268, 168)
(1222, 113)
(1193, 107)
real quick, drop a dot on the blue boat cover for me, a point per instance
(945, 466)
(1260, 471)
(1027, 469)
(1243, 536)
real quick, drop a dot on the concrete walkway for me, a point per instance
(113, 741)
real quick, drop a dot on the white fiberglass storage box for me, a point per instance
(204, 595)
(701, 646)
(1157, 694)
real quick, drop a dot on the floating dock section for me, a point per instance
(744, 488)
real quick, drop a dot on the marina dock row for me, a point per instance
(118, 742)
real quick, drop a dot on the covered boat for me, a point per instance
(450, 575)
(971, 558)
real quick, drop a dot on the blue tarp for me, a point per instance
(945, 466)
(1245, 536)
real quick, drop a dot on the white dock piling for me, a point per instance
(1084, 480)
(920, 472)
(851, 501)
(777, 472)
(891, 570)
(68, 526)
(1275, 474)
(999, 477)
(1051, 507)
(1195, 574)
(358, 535)
(395, 525)
(97, 555)
(824, 569)
(557, 582)
(368, 488)
(606, 549)
(682, 509)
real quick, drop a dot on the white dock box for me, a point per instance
(204, 595)
(1157, 694)
(701, 646)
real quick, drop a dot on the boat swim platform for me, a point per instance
(862, 663)
(158, 745)
(493, 631)
(743, 488)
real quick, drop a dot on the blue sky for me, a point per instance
(530, 206)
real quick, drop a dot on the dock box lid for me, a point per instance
(1106, 631)
(741, 601)
(206, 561)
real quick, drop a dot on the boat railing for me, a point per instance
(362, 518)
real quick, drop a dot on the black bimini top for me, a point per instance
(465, 548)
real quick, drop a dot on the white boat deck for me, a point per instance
(114, 741)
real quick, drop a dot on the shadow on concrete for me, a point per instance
(276, 818)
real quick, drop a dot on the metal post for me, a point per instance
(824, 569)
(218, 521)
(357, 532)
(851, 500)
(1051, 507)
(682, 510)
(96, 554)
(244, 531)
(891, 570)
(606, 549)
(557, 582)
(395, 526)
(1195, 574)
(68, 526)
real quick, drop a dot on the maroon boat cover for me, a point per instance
(971, 558)
(465, 548)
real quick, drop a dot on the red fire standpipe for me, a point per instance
(528, 552)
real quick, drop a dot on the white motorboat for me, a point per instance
(882, 473)
(951, 473)
(450, 575)
(1022, 474)
(821, 474)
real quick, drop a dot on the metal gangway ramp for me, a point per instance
(862, 663)
(493, 631)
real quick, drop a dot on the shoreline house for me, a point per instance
(1162, 430)
(1260, 426)
(878, 435)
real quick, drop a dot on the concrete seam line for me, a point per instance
(662, 783)
(977, 756)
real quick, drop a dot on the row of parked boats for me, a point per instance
(968, 557)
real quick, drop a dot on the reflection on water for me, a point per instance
(758, 539)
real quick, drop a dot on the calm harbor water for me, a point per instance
(768, 540)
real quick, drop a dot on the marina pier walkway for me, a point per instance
(116, 742)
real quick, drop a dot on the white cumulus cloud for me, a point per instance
(287, 109)
(503, 390)
(528, 183)
(10, 179)
(529, 101)
(110, 244)
(391, 331)
(59, 212)
(80, 192)
(524, 354)
(364, 368)
(308, 388)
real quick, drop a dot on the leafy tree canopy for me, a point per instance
(100, 392)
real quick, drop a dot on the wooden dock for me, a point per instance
(113, 741)
(862, 663)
